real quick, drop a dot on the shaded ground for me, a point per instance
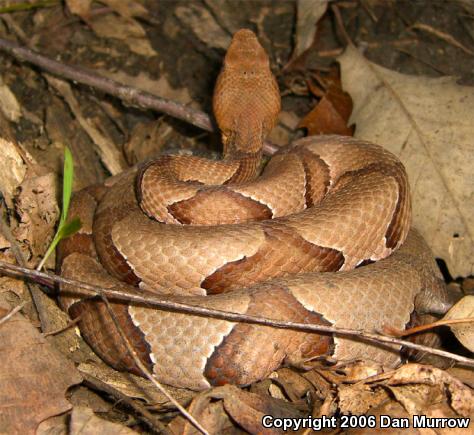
(383, 30)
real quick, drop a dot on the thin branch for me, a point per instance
(35, 292)
(446, 37)
(150, 299)
(369, 11)
(12, 313)
(127, 94)
(130, 96)
(422, 328)
(340, 24)
(63, 328)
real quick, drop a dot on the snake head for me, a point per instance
(246, 97)
(245, 56)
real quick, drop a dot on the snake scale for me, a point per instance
(217, 234)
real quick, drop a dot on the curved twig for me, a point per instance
(152, 300)
(130, 96)
(12, 312)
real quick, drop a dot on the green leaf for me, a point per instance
(64, 229)
(69, 229)
(68, 176)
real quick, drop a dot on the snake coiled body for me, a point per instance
(284, 245)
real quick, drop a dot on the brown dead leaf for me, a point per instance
(292, 384)
(416, 398)
(388, 408)
(441, 411)
(57, 425)
(7, 284)
(11, 158)
(468, 285)
(464, 332)
(288, 120)
(331, 114)
(109, 154)
(353, 398)
(85, 422)
(4, 243)
(147, 139)
(359, 399)
(38, 210)
(81, 8)
(427, 123)
(211, 416)
(160, 87)
(329, 406)
(350, 372)
(421, 390)
(126, 8)
(48, 23)
(308, 14)
(316, 89)
(34, 376)
(85, 397)
(321, 385)
(10, 106)
(63, 130)
(461, 397)
(127, 30)
(464, 374)
(358, 370)
(283, 133)
(133, 386)
(224, 13)
(246, 409)
(203, 25)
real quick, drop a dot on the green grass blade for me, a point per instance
(64, 229)
(68, 176)
(69, 229)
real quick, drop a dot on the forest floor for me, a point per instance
(327, 57)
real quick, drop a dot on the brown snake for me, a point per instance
(213, 234)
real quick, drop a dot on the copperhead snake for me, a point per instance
(215, 234)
